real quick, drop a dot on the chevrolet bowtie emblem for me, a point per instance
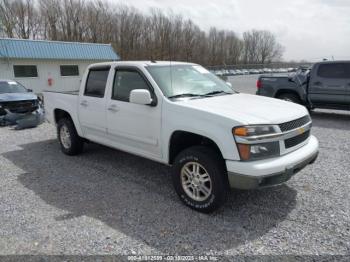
(301, 130)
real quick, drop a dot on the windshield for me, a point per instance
(187, 80)
(11, 87)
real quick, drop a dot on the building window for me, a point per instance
(69, 70)
(25, 71)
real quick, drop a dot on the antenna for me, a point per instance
(170, 67)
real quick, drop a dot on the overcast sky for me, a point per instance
(309, 29)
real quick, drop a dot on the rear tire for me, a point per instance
(200, 178)
(290, 98)
(71, 143)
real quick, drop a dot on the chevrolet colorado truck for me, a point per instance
(325, 85)
(181, 115)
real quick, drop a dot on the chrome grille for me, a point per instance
(295, 123)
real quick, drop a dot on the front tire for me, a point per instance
(71, 143)
(200, 179)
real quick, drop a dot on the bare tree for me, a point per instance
(50, 10)
(7, 17)
(133, 34)
(261, 47)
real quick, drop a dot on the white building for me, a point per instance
(49, 65)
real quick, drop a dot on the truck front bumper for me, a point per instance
(250, 175)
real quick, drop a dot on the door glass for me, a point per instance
(124, 82)
(334, 70)
(96, 82)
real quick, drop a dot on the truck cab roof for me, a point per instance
(140, 63)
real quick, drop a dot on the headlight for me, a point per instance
(247, 131)
(253, 142)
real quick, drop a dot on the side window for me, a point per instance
(96, 82)
(125, 81)
(333, 70)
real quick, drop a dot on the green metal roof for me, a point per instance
(39, 49)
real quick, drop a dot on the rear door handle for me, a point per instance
(317, 83)
(113, 108)
(84, 103)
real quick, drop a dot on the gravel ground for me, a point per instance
(109, 202)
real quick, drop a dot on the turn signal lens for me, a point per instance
(244, 151)
(240, 131)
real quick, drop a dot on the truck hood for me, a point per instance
(12, 97)
(248, 109)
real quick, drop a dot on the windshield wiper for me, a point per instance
(201, 95)
(184, 95)
(217, 93)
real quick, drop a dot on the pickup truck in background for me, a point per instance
(325, 85)
(181, 115)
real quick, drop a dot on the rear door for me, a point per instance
(329, 84)
(91, 106)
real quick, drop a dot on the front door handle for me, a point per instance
(317, 83)
(113, 108)
(84, 103)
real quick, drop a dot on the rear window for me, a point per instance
(96, 82)
(334, 70)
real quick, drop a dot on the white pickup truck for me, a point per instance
(181, 115)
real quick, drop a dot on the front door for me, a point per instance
(328, 84)
(92, 104)
(133, 127)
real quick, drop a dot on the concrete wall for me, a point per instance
(46, 69)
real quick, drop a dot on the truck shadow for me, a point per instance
(329, 119)
(135, 196)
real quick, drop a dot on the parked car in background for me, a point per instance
(188, 119)
(19, 107)
(325, 85)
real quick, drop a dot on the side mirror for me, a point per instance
(229, 84)
(140, 96)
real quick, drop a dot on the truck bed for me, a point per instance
(269, 85)
(66, 101)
